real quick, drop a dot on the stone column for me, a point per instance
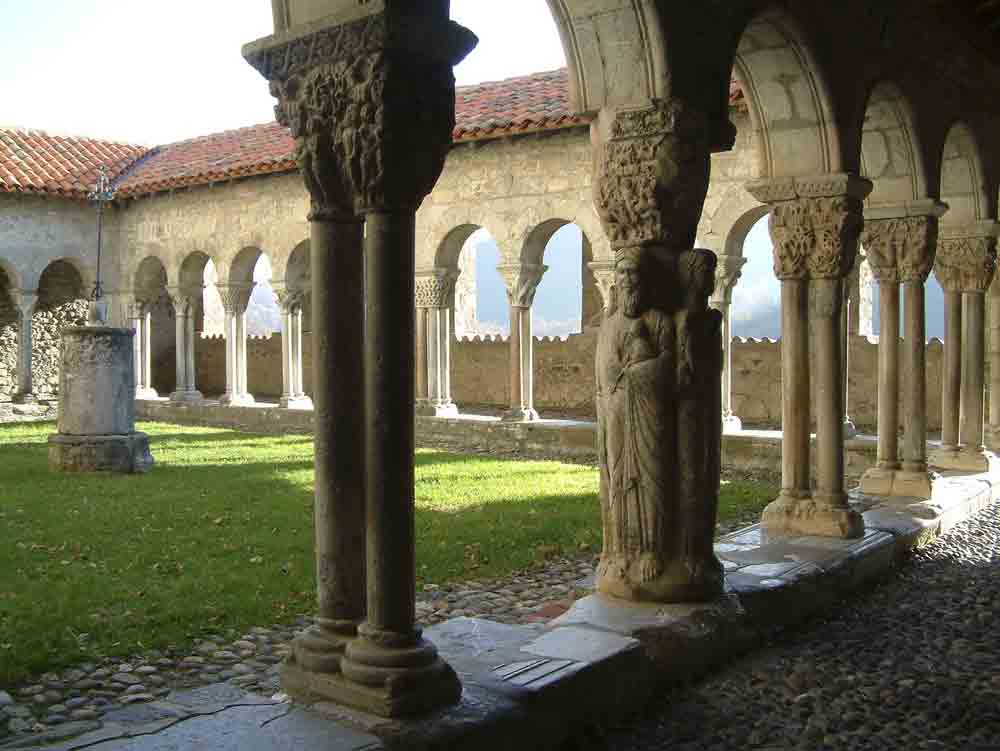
(235, 300)
(143, 350)
(25, 390)
(993, 427)
(435, 289)
(521, 280)
(727, 274)
(290, 303)
(369, 97)
(966, 260)
(815, 225)
(185, 308)
(848, 316)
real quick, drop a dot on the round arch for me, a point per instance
(789, 101)
(150, 279)
(63, 281)
(736, 238)
(963, 185)
(242, 268)
(192, 273)
(297, 270)
(891, 156)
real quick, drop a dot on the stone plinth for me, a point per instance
(96, 408)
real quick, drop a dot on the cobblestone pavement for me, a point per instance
(915, 664)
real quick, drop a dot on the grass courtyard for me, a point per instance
(219, 536)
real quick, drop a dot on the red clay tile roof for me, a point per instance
(36, 163)
(538, 102)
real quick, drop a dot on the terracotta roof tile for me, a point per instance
(33, 162)
(38, 163)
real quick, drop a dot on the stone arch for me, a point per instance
(890, 154)
(297, 274)
(963, 180)
(533, 252)
(790, 105)
(242, 267)
(63, 281)
(740, 228)
(192, 278)
(150, 281)
(449, 249)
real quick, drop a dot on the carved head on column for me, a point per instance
(696, 276)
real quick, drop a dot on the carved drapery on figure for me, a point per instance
(659, 363)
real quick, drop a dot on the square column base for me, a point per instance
(237, 400)
(993, 437)
(296, 402)
(123, 454)
(732, 424)
(520, 414)
(443, 690)
(962, 460)
(146, 393)
(897, 483)
(795, 517)
(187, 396)
(437, 409)
(24, 398)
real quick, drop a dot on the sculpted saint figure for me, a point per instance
(659, 362)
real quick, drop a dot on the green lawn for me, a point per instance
(219, 535)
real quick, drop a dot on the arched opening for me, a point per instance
(756, 306)
(296, 323)
(155, 330)
(9, 317)
(567, 299)
(62, 302)
(480, 307)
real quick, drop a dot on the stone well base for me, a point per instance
(124, 454)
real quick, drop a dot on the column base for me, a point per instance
(788, 516)
(731, 424)
(382, 680)
(961, 460)
(296, 402)
(850, 429)
(993, 437)
(146, 393)
(187, 396)
(123, 454)
(320, 648)
(878, 481)
(24, 398)
(237, 400)
(898, 483)
(428, 408)
(521, 414)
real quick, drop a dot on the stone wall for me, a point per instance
(46, 328)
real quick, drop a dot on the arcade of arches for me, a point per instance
(846, 133)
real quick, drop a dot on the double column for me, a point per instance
(25, 389)
(435, 292)
(521, 281)
(966, 261)
(727, 274)
(142, 320)
(901, 250)
(815, 227)
(293, 395)
(369, 97)
(185, 311)
(235, 300)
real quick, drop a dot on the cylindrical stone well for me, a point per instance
(96, 404)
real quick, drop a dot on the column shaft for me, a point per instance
(888, 376)
(915, 368)
(952, 370)
(25, 380)
(973, 363)
(338, 385)
(287, 347)
(241, 355)
(137, 353)
(190, 369)
(180, 348)
(389, 407)
(147, 351)
(795, 388)
(423, 374)
(825, 320)
(516, 381)
(230, 340)
(994, 354)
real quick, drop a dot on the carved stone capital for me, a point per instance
(184, 300)
(727, 273)
(652, 175)
(235, 297)
(371, 105)
(521, 280)
(966, 259)
(900, 249)
(604, 278)
(26, 300)
(435, 288)
(815, 223)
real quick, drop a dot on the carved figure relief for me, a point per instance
(659, 364)
(966, 264)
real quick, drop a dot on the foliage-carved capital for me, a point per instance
(436, 288)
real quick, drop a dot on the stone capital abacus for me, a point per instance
(966, 257)
(521, 281)
(370, 103)
(652, 175)
(435, 288)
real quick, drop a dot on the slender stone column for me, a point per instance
(435, 290)
(298, 383)
(604, 277)
(993, 427)
(901, 249)
(965, 264)
(521, 280)
(727, 274)
(143, 350)
(815, 225)
(235, 300)
(25, 391)
(847, 314)
(185, 307)
(369, 97)
(290, 303)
